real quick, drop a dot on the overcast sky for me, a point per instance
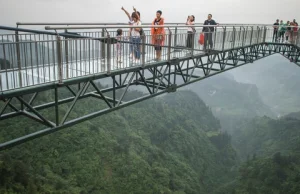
(224, 11)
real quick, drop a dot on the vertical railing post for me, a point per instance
(18, 57)
(243, 37)
(239, 36)
(251, 35)
(108, 53)
(233, 38)
(298, 37)
(102, 45)
(59, 60)
(193, 43)
(258, 35)
(175, 37)
(265, 34)
(224, 37)
(170, 44)
(215, 35)
(143, 49)
(67, 55)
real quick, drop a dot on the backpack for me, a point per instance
(201, 39)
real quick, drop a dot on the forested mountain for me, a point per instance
(279, 174)
(271, 151)
(264, 137)
(230, 100)
(277, 80)
(231, 144)
(170, 144)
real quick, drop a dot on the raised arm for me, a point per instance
(134, 9)
(189, 21)
(126, 12)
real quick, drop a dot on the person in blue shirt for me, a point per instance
(208, 32)
(282, 30)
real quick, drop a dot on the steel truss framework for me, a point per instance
(157, 79)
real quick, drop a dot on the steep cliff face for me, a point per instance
(230, 100)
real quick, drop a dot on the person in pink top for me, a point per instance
(191, 32)
(295, 31)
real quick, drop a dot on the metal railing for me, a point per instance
(31, 57)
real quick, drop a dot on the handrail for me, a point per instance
(109, 26)
(128, 26)
(26, 30)
(69, 35)
(151, 26)
(95, 23)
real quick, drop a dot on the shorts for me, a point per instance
(157, 48)
(158, 45)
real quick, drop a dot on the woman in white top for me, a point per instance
(135, 36)
(191, 32)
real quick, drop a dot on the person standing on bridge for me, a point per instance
(282, 30)
(288, 31)
(130, 23)
(191, 32)
(295, 31)
(275, 32)
(158, 34)
(141, 31)
(292, 34)
(208, 32)
(135, 37)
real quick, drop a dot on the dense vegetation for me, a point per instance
(129, 151)
(271, 175)
(264, 137)
(171, 144)
(271, 151)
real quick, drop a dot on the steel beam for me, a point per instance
(156, 78)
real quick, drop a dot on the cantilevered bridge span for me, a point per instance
(83, 59)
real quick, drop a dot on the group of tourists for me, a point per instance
(207, 31)
(285, 32)
(158, 35)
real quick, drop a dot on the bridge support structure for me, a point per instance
(74, 73)
(155, 79)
